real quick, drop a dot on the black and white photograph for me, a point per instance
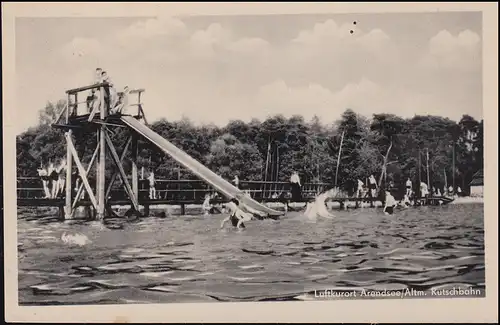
(175, 159)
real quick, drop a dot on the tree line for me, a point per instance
(390, 147)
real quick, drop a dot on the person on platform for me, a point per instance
(296, 187)
(122, 102)
(236, 181)
(152, 189)
(61, 177)
(53, 178)
(390, 203)
(372, 186)
(359, 191)
(42, 172)
(424, 191)
(408, 187)
(207, 205)
(110, 96)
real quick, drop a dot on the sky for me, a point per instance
(213, 69)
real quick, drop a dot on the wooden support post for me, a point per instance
(75, 108)
(116, 159)
(69, 170)
(101, 175)
(68, 106)
(61, 213)
(135, 179)
(113, 178)
(183, 209)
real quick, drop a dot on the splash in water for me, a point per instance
(317, 208)
(75, 239)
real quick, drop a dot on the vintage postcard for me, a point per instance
(250, 162)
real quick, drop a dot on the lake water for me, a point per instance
(189, 259)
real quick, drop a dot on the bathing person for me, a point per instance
(42, 172)
(408, 187)
(390, 203)
(236, 212)
(53, 180)
(372, 186)
(296, 187)
(61, 177)
(207, 206)
(405, 203)
(236, 181)
(152, 189)
(424, 191)
(359, 192)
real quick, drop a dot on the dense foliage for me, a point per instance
(390, 147)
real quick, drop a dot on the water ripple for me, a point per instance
(189, 260)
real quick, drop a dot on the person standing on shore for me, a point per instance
(152, 189)
(296, 187)
(42, 172)
(359, 191)
(372, 186)
(408, 187)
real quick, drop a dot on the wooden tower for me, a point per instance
(92, 115)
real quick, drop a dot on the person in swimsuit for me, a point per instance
(236, 214)
(152, 189)
(236, 181)
(207, 206)
(61, 177)
(408, 187)
(372, 185)
(53, 177)
(42, 172)
(359, 191)
(390, 203)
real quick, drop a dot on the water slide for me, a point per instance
(217, 182)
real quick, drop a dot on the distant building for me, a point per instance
(477, 184)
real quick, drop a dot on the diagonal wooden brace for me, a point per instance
(113, 178)
(81, 171)
(118, 163)
(89, 167)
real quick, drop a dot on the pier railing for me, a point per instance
(182, 190)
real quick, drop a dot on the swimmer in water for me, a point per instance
(236, 212)
(390, 203)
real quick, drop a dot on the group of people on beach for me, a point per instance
(53, 178)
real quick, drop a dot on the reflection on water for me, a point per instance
(189, 259)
